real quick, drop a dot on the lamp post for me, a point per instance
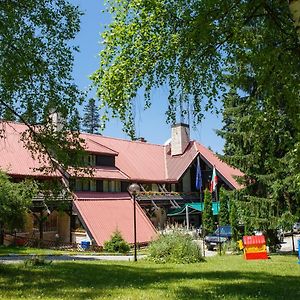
(133, 189)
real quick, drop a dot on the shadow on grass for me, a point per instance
(90, 281)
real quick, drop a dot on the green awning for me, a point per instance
(197, 206)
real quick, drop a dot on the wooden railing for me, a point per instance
(16, 240)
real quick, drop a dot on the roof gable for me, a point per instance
(227, 172)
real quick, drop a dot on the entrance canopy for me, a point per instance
(193, 207)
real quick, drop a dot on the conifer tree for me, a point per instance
(233, 216)
(223, 212)
(208, 218)
(91, 117)
(260, 139)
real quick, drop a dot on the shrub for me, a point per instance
(36, 261)
(208, 218)
(116, 243)
(175, 247)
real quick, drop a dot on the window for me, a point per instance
(105, 185)
(118, 186)
(102, 160)
(50, 224)
(173, 187)
(99, 186)
(112, 186)
(78, 185)
(92, 160)
(85, 185)
(89, 159)
(93, 185)
(124, 186)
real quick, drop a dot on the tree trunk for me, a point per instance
(1, 234)
(41, 226)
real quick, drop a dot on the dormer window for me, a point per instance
(105, 160)
(89, 160)
(99, 160)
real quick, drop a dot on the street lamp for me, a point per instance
(133, 189)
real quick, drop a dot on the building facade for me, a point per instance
(100, 203)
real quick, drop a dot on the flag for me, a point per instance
(198, 176)
(214, 181)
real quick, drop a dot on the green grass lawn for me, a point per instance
(26, 250)
(225, 277)
(4, 250)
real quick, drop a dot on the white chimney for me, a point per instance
(180, 138)
(57, 120)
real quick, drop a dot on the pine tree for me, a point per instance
(233, 216)
(91, 117)
(208, 218)
(260, 140)
(223, 212)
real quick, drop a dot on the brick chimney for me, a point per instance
(180, 138)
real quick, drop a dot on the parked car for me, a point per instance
(296, 227)
(222, 235)
(280, 234)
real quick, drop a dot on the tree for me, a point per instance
(200, 49)
(15, 200)
(233, 218)
(36, 59)
(208, 218)
(260, 139)
(91, 117)
(223, 212)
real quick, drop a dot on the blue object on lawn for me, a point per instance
(85, 245)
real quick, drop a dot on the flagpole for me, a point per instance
(199, 182)
(187, 217)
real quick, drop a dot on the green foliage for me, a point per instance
(198, 49)
(224, 208)
(233, 219)
(261, 140)
(91, 117)
(116, 244)
(15, 199)
(175, 247)
(208, 218)
(36, 59)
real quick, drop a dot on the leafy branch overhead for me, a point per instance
(36, 60)
(199, 49)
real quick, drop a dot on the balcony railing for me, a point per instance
(177, 196)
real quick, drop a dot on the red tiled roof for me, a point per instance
(104, 196)
(140, 161)
(177, 165)
(103, 216)
(94, 147)
(14, 158)
(102, 173)
(135, 161)
(227, 172)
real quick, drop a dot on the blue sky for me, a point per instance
(150, 124)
